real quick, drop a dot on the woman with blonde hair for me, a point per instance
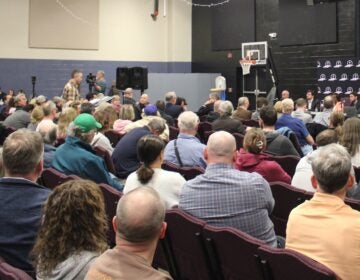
(36, 117)
(351, 139)
(126, 116)
(251, 158)
(73, 231)
(65, 118)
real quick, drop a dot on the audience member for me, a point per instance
(225, 122)
(40, 100)
(312, 104)
(70, 239)
(100, 83)
(20, 118)
(150, 150)
(160, 105)
(186, 150)
(143, 102)
(77, 157)
(351, 140)
(316, 227)
(251, 158)
(113, 91)
(224, 196)
(285, 94)
(242, 112)
(300, 112)
(139, 224)
(278, 108)
(21, 198)
(87, 108)
(125, 156)
(48, 131)
(116, 103)
(276, 144)
(20, 101)
(149, 112)
(213, 116)
(297, 126)
(50, 114)
(128, 97)
(323, 117)
(260, 103)
(71, 90)
(59, 102)
(337, 120)
(354, 101)
(181, 101)
(171, 108)
(208, 106)
(126, 116)
(66, 117)
(36, 117)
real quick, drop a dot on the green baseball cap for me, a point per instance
(86, 122)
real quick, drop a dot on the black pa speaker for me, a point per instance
(122, 78)
(139, 78)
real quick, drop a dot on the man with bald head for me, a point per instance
(285, 94)
(139, 224)
(224, 196)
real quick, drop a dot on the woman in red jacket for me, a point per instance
(252, 159)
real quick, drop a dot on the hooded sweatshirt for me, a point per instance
(279, 145)
(262, 164)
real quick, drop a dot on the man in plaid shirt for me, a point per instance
(71, 89)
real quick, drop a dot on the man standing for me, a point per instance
(325, 228)
(71, 90)
(100, 84)
(139, 224)
(171, 108)
(224, 196)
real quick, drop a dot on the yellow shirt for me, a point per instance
(328, 231)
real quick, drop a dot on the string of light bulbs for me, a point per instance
(72, 14)
(206, 5)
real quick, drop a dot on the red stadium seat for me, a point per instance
(104, 154)
(239, 140)
(51, 178)
(204, 127)
(251, 123)
(174, 132)
(288, 163)
(113, 137)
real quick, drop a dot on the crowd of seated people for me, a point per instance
(234, 190)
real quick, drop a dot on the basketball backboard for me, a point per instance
(255, 51)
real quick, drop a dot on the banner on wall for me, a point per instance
(340, 76)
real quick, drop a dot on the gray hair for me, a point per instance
(101, 72)
(17, 97)
(157, 124)
(243, 100)
(221, 144)
(75, 131)
(331, 167)
(287, 105)
(22, 152)
(140, 215)
(226, 108)
(48, 107)
(48, 131)
(214, 95)
(170, 96)
(188, 121)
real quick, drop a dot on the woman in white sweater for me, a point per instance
(168, 184)
(351, 139)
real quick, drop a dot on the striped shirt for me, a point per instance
(71, 92)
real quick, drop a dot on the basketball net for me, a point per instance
(246, 64)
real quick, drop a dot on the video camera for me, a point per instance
(91, 79)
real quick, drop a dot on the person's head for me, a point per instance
(243, 102)
(20, 100)
(65, 118)
(188, 122)
(77, 76)
(160, 105)
(310, 94)
(59, 102)
(106, 116)
(84, 127)
(129, 92)
(255, 141)
(217, 106)
(261, 102)
(37, 115)
(150, 150)
(328, 102)
(140, 218)
(50, 110)
(337, 119)
(76, 105)
(23, 155)
(100, 75)
(74, 221)
(285, 94)
(213, 97)
(301, 104)
(87, 108)
(144, 99)
(181, 101)
(116, 103)
(150, 110)
(268, 117)
(278, 107)
(326, 137)
(332, 170)
(220, 148)
(127, 112)
(157, 125)
(353, 97)
(48, 132)
(170, 97)
(350, 138)
(287, 106)
(226, 108)
(40, 100)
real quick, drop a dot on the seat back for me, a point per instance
(184, 236)
(288, 264)
(286, 198)
(173, 132)
(353, 203)
(187, 172)
(51, 178)
(111, 199)
(295, 141)
(207, 135)
(239, 140)
(234, 252)
(251, 123)
(204, 127)
(8, 272)
(104, 154)
(288, 163)
(4, 133)
(113, 137)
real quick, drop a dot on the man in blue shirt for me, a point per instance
(100, 84)
(186, 150)
(77, 157)
(22, 199)
(296, 125)
(171, 108)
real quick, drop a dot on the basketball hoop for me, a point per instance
(246, 64)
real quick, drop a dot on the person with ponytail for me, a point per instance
(150, 150)
(251, 158)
